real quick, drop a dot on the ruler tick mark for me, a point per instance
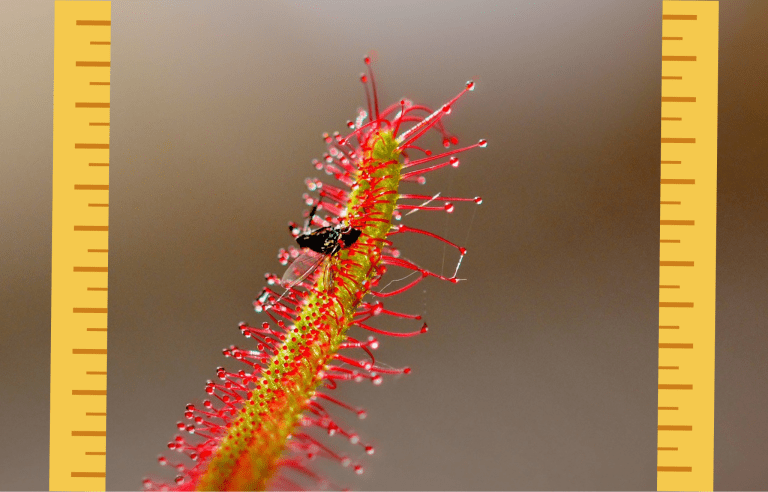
(678, 140)
(674, 468)
(678, 58)
(679, 17)
(92, 228)
(92, 64)
(89, 351)
(678, 99)
(89, 310)
(88, 474)
(675, 304)
(90, 269)
(675, 427)
(89, 392)
(91, 146)
(678, 181)
(91, 187)
(93, 23)
(676, 263)
(676, 345)
(676, 222)
(89, 433)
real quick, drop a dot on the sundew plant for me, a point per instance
(252, 433)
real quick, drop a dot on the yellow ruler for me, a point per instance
(687, 246)
(79, 245)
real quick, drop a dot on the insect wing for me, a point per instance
(301, 267)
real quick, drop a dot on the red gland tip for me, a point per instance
(470, 85)
(478, 200)
(482, 143)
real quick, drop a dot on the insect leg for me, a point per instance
(308, 223)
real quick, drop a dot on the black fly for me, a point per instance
(316, 246)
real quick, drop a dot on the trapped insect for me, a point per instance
(316, 246)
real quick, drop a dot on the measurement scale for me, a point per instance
(686, 394)
(80, 224)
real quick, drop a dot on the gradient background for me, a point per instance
(539, 372)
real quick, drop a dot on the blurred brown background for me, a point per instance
(539, 371)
